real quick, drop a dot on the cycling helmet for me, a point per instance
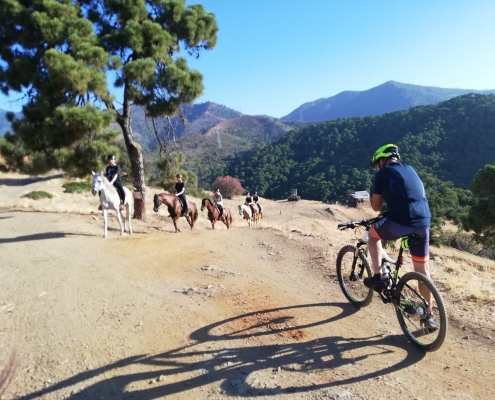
(386, 151)
(111, 157)
(179, 176)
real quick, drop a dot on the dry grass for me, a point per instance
(471, 281)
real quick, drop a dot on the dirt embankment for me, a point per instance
(214, 314)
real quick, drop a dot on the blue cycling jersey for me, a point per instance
(404, 194)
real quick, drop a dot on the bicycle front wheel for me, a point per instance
(350, 272)
(424, 329)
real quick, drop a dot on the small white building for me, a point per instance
(362, 196)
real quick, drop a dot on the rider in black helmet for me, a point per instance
(113, 174)
(180, 192)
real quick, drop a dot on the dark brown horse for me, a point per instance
(214, 212)
(175, 208)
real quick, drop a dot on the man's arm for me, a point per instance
(376, 202)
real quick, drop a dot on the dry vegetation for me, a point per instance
(289, 259)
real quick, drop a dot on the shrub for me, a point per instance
(229, 186)
(38, 194)
(195, 192)
(77, 187)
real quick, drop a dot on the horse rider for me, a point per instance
(113, 174)
(218, 199)
(256, 199)
(180, 192)
(249, 202)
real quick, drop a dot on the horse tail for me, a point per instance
(195, 216)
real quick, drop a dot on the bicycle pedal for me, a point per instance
(384, 298)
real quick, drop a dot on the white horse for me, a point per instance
(247, 214)
(109, 199)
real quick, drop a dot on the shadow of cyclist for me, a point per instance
(234, 365)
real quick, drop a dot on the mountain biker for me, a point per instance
(113, 174)
(180, 192)
(399, 186)
(219, 203)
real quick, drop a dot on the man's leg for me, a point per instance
(375, 249)
(420, 254)
(382, 230)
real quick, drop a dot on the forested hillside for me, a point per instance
(198, 118)
(326, 161)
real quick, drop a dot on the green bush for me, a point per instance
(460, 241)
(77, 187)
(38, 194)
(195, 192)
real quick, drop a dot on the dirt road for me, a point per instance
(208, 314)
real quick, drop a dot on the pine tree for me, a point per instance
(61, 54)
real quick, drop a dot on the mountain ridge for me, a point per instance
(388, 97)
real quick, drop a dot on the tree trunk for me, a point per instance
(137, 164)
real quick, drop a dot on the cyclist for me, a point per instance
(399, 186)
(180, 192)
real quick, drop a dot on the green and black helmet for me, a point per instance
(386, 151)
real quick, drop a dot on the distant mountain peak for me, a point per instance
(387, 97)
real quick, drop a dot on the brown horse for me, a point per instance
(175, 208)
(260, 212)
(214, 212)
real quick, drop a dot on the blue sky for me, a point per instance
(274, 55)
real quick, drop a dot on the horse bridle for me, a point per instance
(155, 207)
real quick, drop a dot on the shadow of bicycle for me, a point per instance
(235, 365)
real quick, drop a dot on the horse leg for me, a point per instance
(120, 216)
(105, 212)
(175, 224)
(128, 217)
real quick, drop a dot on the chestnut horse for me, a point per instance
(214, 212)
(175, 208)
(260, 212)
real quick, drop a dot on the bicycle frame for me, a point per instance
(387, 295)
(424, 326)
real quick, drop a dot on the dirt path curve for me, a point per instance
(203, 314)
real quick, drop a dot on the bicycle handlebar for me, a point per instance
(353, 224)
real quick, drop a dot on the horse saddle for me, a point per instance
(254, 209)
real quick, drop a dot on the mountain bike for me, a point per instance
(403, 293)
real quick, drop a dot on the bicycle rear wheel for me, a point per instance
(350, 273)
(413, 315)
